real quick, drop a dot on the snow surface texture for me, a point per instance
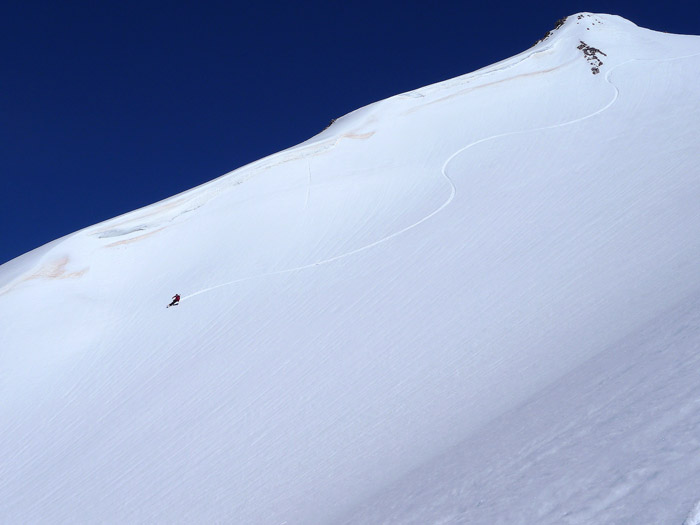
(477, 302)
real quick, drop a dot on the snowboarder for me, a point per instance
(176, 300)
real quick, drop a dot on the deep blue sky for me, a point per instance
(110, 106)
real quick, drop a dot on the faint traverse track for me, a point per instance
(453, 189)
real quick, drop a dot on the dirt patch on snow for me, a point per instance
(360, 136)
(56, 270)
(467, 90)
(51, 270)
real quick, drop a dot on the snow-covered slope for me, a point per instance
(473, 302)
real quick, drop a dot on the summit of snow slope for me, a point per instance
(384, 311)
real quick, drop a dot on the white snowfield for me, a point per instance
(477, 302)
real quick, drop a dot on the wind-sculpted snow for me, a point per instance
(693, 517)
(461, 272)
(614, 441)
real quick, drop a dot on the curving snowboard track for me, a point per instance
(450, 182)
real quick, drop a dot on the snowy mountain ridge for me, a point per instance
(417, 316)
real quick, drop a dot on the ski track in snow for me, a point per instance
(450, 182)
